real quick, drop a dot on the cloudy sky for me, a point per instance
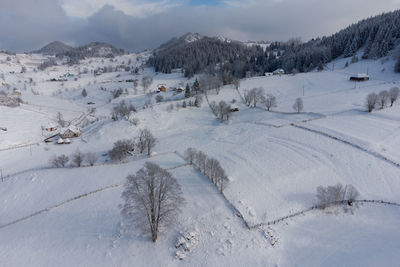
(139, 24)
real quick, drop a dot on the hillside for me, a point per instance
(377, 36)
(274, 162)
(54, 48)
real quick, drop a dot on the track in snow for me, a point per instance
(365, 150)
(73, 199)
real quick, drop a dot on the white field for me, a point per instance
(273, 167)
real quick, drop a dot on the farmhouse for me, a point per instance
(70, 132)
(361, 77)
(50, 127)
(16, 92)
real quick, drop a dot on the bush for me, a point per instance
(159, 98)
(336, 195)
(121, 150)
(91, 158)
(371, 101)
(60, 161)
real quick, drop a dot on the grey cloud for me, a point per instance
(26, 25)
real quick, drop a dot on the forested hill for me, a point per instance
(377, 35)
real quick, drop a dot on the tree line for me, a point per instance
(230, 60)
(208, 166)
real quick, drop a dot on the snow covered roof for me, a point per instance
(362, 75)
(60, 141)
(72, 128)
(50, 125)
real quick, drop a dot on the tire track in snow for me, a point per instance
(75, 198)
(360, 148)
(363, 149)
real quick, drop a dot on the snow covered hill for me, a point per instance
(274, 162)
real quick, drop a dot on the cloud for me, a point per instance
(135, 8)
(138, 24)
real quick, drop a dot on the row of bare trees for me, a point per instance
(257, 96)
(382, 99)
(210, 167)
(143, 143)
(77, 159)
(222, 110)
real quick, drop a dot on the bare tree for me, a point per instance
(78, 158)
(214, 108)
(201, 160)
(91, 158)
(190, 154)
(121, 149)
(383, 98)
(371, 100)
(84, 93)
(394, 94)
(146, 83)
(298, 105)
(336, 195)
(270, 102)
(60, 161)
(198, 100)
(60, 119)
(146, 140)
(152, 200)
(217, 83)
(254, 96)
(236, 83)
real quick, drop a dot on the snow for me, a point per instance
(274, 162)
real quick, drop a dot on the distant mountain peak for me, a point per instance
(54, 48)
(191, 37)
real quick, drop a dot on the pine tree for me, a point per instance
(187, 91)
(196, 87)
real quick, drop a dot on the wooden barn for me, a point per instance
(361, 77)
(162, 88)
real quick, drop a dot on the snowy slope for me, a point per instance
(274, 160)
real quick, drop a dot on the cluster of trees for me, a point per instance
(144, 143)
(381, 100)
(222, 110)
(336, 194)
(122, 111)
(197, 102)
(47, 64)
(378, 35)
(257, 96)
(9, 101)
(77, 159)
(210, 167)
(94, 49)
(152, 200)
(146, 83)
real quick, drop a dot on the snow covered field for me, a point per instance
(274, 160)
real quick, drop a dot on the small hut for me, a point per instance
(361, 77)
(234, 108)
(279, 72)
(162, 88)
(60, 141)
